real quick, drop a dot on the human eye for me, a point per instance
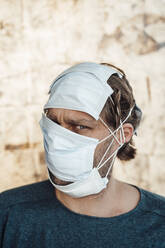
(80, 127)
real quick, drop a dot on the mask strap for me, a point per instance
(109, 158)
(122, 138)
(113, 160)
(112, 133)
(120, 126)
(105, 153)
(111, 100)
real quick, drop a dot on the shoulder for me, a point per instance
(24, 194)
(153, 202)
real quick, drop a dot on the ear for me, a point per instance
(128, 131)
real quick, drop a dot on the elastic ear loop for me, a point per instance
(113, 160)
(109, 157)
(120, 126)
(111, 133)
(113, 154)
(122, 137)
(98, 166)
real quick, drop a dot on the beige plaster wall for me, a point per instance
(39, 39)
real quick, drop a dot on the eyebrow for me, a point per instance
(81, 121)
(74, 122)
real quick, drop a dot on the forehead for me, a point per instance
(61, 112)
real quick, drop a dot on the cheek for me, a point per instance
(101, 133)
(99, 148)
(94, 133)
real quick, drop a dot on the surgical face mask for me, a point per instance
(82, 87)
(69, 157)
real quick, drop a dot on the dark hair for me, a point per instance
(123, 100)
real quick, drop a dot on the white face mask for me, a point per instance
(69, 156)
(82, 87)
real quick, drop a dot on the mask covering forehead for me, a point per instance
(82, 87)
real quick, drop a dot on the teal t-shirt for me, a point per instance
(32, 217)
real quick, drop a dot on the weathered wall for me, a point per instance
(38, 39)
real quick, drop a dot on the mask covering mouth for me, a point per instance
(69, 156)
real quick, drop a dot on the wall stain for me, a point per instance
(148, 85)
(37, 176)
(147, 43)
(42, 157)
(1, 25)
(160, 45)
(144, 42)
(149, 19)
(106, 39)
(75, 2)
(11, 147)
(133, 6)
(7, 28)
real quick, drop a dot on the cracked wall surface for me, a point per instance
(39, 39)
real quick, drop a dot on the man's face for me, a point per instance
(83, 124)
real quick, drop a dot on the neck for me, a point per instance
(109, 202)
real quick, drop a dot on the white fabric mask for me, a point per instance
(82, 87)
(93, 184)
(69, 156)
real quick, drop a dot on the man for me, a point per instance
(89, 119)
